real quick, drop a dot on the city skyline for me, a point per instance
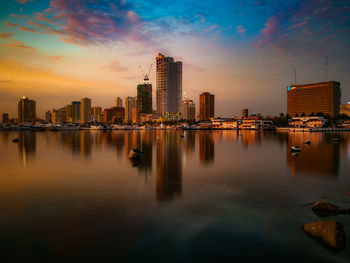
(246, 63)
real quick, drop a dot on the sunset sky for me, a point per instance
(244, 52)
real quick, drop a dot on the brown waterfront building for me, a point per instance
(308, 99)
(118, 102)
(26, 110)
(188, 110)
(96, 113)
(245, 113)
(144, 99)
(130, 104)
(114, 114)
(5, 118)
(48, 116)
(206, 106)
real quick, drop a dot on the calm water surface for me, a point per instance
(207, 196)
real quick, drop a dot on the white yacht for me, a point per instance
(96, 127)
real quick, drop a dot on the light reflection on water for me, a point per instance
(196, 196)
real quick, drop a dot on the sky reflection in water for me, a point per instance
(202, 197)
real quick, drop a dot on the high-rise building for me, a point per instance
(144, 99)
(314, 98)
(85, 110)
(59, 115)
(5, 118)
(245, 113)
(114, 114)
(76, 111)
(188, 110)
(169, 85)
(134, 115)
(206, 106)
(69, 113)
(95, 113)
(130, 103)
(101, 117)
(26, 110)
(48, 116)
(118, 102)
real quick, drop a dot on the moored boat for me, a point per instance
(295, 148)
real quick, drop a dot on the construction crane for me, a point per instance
(145, 76)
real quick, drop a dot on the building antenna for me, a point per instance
(326, 67)
(295, 76)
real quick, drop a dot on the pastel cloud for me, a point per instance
(115, 67)
(87, 22)
(6, 35)
(270, 30)
(22, 28)
(241, 29)
(312, 27)
(19, 44)
(56, 58)
(23, 1)
(38, 79)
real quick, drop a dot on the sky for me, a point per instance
(243, 52)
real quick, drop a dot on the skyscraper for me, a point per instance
(76, 111)
(48, 116)
(69, 113)
(5, 118)
(314, 98)
(85, 110)
(144, 99)
(169, 85)
(206, 106)
(95, 113)
(118, 102)
(26, 110)
(114, 114)
(130, 103)
(59, 115)
(245, 113)
(188, 110)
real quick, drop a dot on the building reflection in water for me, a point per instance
(249, 137)
(116, 140)
(5, 137)
(320, 158)
(169, 165)
(142, 140)
(206, 147)
(190, 142)
(78, 142)
(26, 146)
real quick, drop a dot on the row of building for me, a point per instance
(170, 105)
(302, 101)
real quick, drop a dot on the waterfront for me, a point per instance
(197, 196)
